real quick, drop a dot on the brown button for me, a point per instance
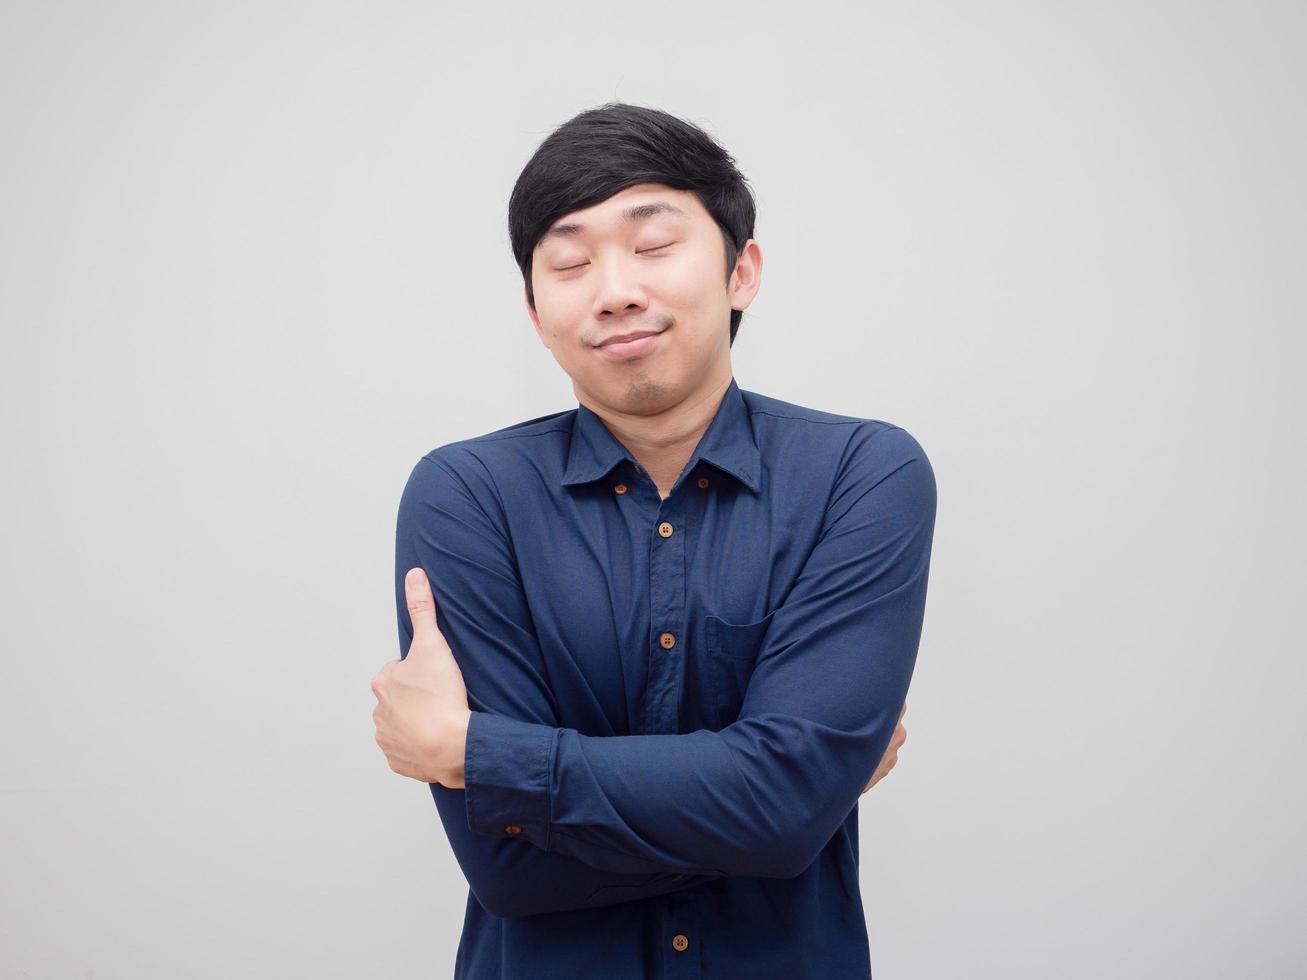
(680, 942)
(668, 640)
(512, 828)
(665, 529)
(703, 482)
(620, 488)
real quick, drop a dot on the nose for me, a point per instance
(619, 292)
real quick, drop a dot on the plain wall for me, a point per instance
(255, 264)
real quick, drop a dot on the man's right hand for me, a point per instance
(891, 755)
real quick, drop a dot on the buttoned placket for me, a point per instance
(662, 696)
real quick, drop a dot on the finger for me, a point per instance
(421, 603)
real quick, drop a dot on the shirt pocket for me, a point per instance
(732, 652)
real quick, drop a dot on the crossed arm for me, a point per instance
(606, 820)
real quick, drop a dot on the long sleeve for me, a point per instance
(762, 796)
(481, 610)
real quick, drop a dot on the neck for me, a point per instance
(663, 443)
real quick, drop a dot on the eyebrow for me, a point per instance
(637, 212)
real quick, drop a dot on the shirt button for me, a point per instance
(620, 488)
(680, 942)
(665, 529)
(668, 640)
(512, 828)
(703, 482)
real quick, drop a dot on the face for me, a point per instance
(648, 260)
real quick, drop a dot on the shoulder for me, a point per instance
(512, 441)
(861, 439)
(876, 467)
(765, 408)
(479, 462)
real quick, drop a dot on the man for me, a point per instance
(656, 644)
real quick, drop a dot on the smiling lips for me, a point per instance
(623, 338)
(629, 345)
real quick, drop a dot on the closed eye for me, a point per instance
(646, 251)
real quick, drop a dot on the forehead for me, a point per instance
(626, 210)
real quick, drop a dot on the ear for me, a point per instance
(746, 277)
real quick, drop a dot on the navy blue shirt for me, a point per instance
(676, 703)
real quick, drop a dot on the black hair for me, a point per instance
(602, 150)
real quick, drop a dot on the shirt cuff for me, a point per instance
(507, 771)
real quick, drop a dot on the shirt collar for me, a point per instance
(727, 443)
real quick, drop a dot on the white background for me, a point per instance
(255, 264)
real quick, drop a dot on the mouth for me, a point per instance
(640, 342)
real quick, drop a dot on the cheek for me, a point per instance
(560, 314)
(550, 303)
(698, 281)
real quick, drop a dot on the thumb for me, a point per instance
(421, 603)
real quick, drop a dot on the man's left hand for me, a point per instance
(422, 711)
(891, 757)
